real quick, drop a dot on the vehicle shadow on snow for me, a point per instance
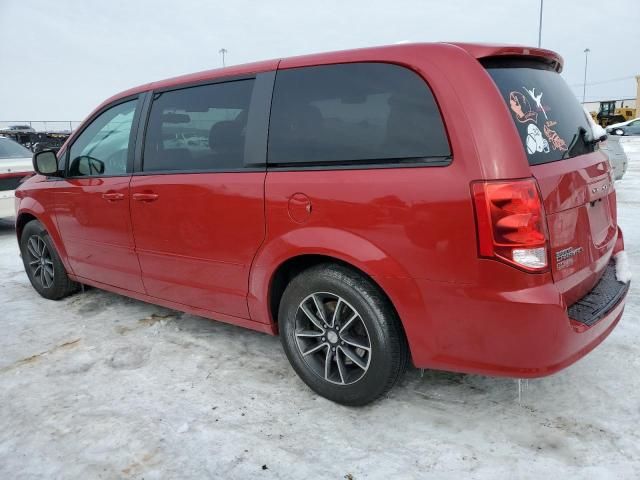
(7, 227)
(444, 391)
(450, 388)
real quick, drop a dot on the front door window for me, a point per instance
(102, 148)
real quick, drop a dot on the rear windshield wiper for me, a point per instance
(593, 141)
(588, 141)
(576, 136)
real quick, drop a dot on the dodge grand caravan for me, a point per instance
(444, 204)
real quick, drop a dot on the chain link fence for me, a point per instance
(62, 126)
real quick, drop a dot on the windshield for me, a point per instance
(549, 118)
(11, 149)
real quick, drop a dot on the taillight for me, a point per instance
(511, 224)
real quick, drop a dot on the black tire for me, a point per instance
(344, 381)
(35, 244)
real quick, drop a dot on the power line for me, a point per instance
(607, 99)
(602, 98)
(601, 82)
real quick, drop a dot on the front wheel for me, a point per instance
(42, 263)
(341, 334)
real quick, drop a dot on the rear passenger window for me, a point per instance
(198, 128)
(354, 113)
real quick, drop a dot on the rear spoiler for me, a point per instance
(487, 53)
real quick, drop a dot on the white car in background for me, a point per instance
(610, 147)
(15, 164)
(630, 127)
(616, 155)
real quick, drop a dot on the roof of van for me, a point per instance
(476, 50)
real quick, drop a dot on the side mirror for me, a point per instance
(46, 163)
(86, 166)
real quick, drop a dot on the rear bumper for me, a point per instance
(602, 299)
(523, 334)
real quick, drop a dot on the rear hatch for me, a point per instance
(574, 177)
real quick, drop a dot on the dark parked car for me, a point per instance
(443, 204)
(12, 129)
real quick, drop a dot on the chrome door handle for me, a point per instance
(113, 196)
(145, 197)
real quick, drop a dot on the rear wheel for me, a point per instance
(42, 263)
(341, 334)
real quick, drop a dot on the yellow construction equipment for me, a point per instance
(609, 113)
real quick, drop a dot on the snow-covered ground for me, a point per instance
(100, 386)
(631, 146)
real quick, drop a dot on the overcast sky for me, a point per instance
(60, 58)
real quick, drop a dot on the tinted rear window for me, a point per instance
(549, 118)
(354, 113)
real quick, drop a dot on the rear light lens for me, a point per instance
(511, 224)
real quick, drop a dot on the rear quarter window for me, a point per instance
(355, 113)
(550, 120)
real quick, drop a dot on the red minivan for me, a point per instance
(440, 203)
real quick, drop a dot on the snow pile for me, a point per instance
(623, 269)
(596, 129)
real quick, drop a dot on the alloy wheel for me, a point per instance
(40, 261)
(332, 338)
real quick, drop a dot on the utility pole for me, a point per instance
(637, 95)
(223, 51)
(584, 85)
(540, 24)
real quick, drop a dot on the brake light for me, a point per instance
(511, 224)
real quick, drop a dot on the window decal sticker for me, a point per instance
(522, 108)
(556, 142)
(535, 141)
(537, 99)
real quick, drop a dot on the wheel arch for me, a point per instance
(35, 211)
(21, 220)
(281, 259)
(293, 266)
